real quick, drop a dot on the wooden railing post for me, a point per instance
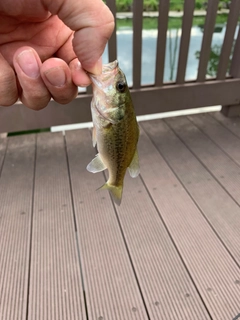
(234, 110)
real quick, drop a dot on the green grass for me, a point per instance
(10, 134)
(175, 5)
(173, 23)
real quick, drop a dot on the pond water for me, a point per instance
(124, 52)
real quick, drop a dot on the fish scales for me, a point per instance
(117, 145)
(115, 129)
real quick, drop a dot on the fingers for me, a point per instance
(93, 24)
(8, 86)
(79, 75)
(27, 64)
(58, 79)
(41, 81)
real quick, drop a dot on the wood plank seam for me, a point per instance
(70, 183)
(4, 157)
(31, 228)
(205, 217)
(75, 227)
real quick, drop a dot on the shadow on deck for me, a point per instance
(171, 251)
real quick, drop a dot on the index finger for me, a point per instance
(93, 24)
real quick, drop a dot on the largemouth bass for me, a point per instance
(115, 129)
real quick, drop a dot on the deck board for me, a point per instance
(170, 251)
(3, 146)
(204, 182)
(167, 288)
(213, 270)
(221, 136)
(55, 290)
(232, 124)
(110, 284)
(16, 185)
(224, 149)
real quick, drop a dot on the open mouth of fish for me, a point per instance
(103, 81)
(109, 67)
(109, 70)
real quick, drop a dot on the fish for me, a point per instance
(115, 129)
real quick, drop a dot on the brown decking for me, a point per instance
(170, 251)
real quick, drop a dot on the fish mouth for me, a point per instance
(109, 70)
(109, 67)
(102, 83)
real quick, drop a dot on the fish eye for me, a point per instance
(121, 86)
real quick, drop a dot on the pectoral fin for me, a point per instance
(134, 169)
(96, 165)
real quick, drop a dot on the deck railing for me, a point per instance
(223, 90)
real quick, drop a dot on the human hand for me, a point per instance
(46, 46)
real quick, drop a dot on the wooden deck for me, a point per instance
(170, 251)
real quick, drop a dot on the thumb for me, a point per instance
(93, 24)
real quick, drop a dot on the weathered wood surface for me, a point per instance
(170, 251)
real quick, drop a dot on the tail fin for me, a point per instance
(115, 191)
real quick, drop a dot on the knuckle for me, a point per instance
(65, 96)
(8, 87)
(37, 101)
(8, 102)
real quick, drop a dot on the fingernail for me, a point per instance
(97, 68)
(80, 76)
(28, 63)
(75, 65)
(56, 76)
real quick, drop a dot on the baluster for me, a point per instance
(185, 39)
(207, 39)
(228, 39)
(161, 41)
(137, 42)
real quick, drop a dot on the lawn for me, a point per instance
(175, 5)
(173, 23)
